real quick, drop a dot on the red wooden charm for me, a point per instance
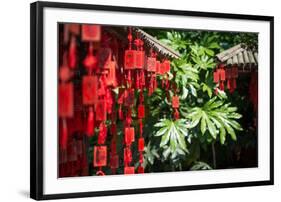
(89, 90)
(216, 76)
(130, 59)
(64, 73)
(129, 170)
(129, 97)
(167, 66)
(228, 73)
(141, 111)
(90, 124)
(222, 74)
(141, 144)
(102, 133)
(111, 76)
(66, 100)
(72, 54)
(100, 156)
(90, 62)
(158, 67)
(101, 110)
(151, 64)
(175, 102)
(129, 135)
(127, 155)
(140, 169)
(91, 33)
(74, 28)
(162, 69)
(140, 59)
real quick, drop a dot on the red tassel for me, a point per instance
(90, 62)
(72, 53)
(102, 133)
(141, 126)
(90, 125)
(120, 113)
(229, 84)
(142, 79)
(129, 78)
(64, 134)
(176, 114)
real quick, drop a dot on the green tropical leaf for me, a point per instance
(216, 117)
(173, 135)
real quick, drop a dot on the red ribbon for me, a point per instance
(90, 125)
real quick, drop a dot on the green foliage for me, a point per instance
(199, 165)
(215, 117)
(173, 135)
(206, 117)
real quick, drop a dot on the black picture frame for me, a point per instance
(37, 101)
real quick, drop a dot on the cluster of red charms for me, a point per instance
(92, 106)
(228, 74)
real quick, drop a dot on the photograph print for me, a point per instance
(140, 100)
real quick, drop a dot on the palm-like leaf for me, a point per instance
(173, 136)
(216, 117)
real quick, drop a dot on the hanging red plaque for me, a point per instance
(139, 59)
(102, 133)
(91, 33)
(129, 170)
(66, 100)
(175, 102)
(129, 135)
(140, 169)
(228, 73)
(72, 54)
(74, 28)
(90, 122)
(151, 64)
(129, 96)
(100, 156)
(141, 144)
(140, 54)
(216, 76)
(130, 59)
(65, 73)
(222, 74)
(141, 111)
(158, 67)
(167, 66)
(89, 90)
(127, 155)
(111, 76)
(90, 62)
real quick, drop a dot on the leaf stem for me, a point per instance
(214, 155)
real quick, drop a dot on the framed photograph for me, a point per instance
(136, 100)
